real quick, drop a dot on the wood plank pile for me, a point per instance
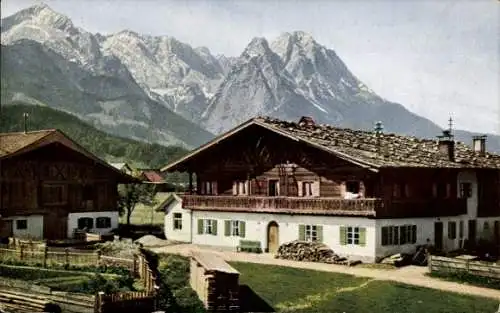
(12, 301)
(309, 252)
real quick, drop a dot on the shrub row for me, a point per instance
(176, 294)
(103, 269)
(466, 278)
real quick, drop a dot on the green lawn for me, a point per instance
(305, 291)
(148, 215)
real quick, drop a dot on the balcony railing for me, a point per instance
(297, 205)
(373, 207)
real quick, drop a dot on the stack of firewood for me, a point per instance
(308, 252)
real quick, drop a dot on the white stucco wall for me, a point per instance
(34, 228)
(183, 234)
(73, 221)
(425, 230)
(257, 224)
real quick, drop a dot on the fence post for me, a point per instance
(467, 263)
(134, 265)
(45, 252)
(66, 254)
(21, 252)
(429, 262)
(98, 257)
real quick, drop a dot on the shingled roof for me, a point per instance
(360, 147)
(13, 142)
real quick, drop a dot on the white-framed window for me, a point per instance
(235, 228)
(399, 235)
(240, 187)
(21, 224)
(177, 221)
(307, 189)
(311, 233)
(208, 187)
(353, 235)
(209, 227)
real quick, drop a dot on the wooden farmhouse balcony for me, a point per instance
(369, 207)
(289, 205)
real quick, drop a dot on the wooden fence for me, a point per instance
(132, 301)
(453, 265)
(30, 254)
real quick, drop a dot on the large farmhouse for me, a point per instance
(364, 194)
(50, 186)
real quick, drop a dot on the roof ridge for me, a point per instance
(50, 130)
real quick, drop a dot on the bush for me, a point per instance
(175, 293)
(103, 269)
(466, 278)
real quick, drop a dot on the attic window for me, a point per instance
(352, 186)
(306, 121)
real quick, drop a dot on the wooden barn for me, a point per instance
(50, 186)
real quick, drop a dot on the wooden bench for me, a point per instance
(249, 246)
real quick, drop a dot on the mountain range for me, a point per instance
(159, 89)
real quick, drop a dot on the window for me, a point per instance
(465, 190)
(208, 227)
(399, 235)
(234, 228)
(177, 221)
(103, 222)
(311, 233)
(452, 230)
(240, 188)
(400, 190)
(208, 187)
(88, 192)
(352, 186)
(21, 224)
(274, 188)
(353, 235)
(85, 222)
(307, 189)
(461, 229)
(53, 194)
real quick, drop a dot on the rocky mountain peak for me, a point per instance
(257, 47)
(40, 14)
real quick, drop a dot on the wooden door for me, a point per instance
(472, 232)
(438, 235)
(5, 228)
(273, 186)
(273, 237)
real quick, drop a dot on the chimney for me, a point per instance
(479, 144)
(306, 121)
(446, 145)
(25, 125)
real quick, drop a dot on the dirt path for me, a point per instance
(411, 275)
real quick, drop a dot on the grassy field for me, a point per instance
(283, 289)
(147, 215)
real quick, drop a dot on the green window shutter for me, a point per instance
(200, 226)
(302, 232)
(227, 228)
(343, 235)
(242, 229)
(362, 236)
(319, 231)
(214, 227)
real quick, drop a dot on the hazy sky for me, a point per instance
(436, 57)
